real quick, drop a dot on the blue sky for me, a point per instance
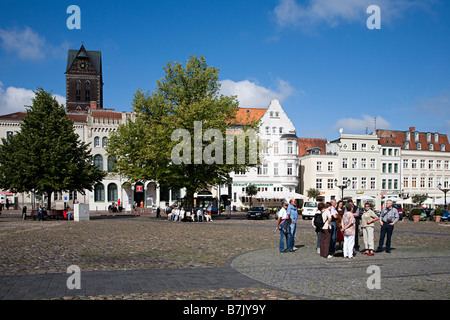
(318, 57)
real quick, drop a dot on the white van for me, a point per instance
(309, 209)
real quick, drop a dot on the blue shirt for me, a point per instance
(292, 211)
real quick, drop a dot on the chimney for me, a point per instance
(412, 129)
(93, 105)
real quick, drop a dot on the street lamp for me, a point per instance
(445, 194)
(342, 186)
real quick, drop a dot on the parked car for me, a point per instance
(309, 209)
(445, 215)
(258, 213)
(399, 209)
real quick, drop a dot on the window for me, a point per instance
(364, 146)
(281, 130)
(430, 182)
(436, 137)
(408, 136)
(319, 165)
(430, 164)
(384, 151)
(422, 164)
(88, 91)
(363, 183)
(395, 184)
(373, 164)
(406, 145)
(104, 141)
(290, 148)
(289, 169)
(414, 164)
(431, 147)
(265, 169)
(330, 183)
(275, 147)
(78, 91)
(422, 182)
(354, 163)
(112, 192)
(268, 130)
(414, 182)
(390, 184)
(354, 183)
(419, 146)
(330, 166)
(271, 113)
(390, 167)
(384, 166)
(264, 146)
(9, 135)
(428, 137)
(354, 146)
(405, 163)
(275, 169)
(405, 182)
(99, 192)
(383, 184)
(416, 136)
(274, 130)
(373, 184)
(277, 114)
(98, 161)
(390, 152)
(344, 163)
(438, 165)
(446, 165)
(446, 184)
(363, 163)
(395, 167)
(319, 183)
(442, 147)
(96, 142)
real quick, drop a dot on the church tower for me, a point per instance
(84, 80)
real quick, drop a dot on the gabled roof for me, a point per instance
(245, 116)
(94, 56)
(398, 138)
(13, 116)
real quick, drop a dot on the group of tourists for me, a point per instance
(338, 226)
(181, 214)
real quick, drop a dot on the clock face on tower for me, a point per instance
(82, 65)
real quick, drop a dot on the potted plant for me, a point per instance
(437, 214)
(416, 212)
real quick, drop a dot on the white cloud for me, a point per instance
(252, 95)
(333, 12)
(366, 122)
(27, 44)
(15, 99)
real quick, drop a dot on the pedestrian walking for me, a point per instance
(325, 235)
(293, 214)
(367, 226)
(318, 232)
(284, 221)
(388, 217)
(40, 213)
(142, 207)
(348, 227)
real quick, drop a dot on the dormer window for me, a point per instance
(436, 137)
(406, 145)
(419, 146)
(416, 136)
(428, 137)
(408, 136)
(442, 147)
(431, 146)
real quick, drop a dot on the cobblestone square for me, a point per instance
(141, 257)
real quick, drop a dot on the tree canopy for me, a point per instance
(46, 155)
(186, 105)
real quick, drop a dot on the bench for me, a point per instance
(51, 214)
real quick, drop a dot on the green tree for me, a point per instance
(47, 155)
(251, 191)
(419, 198)
(313, 193)
(184, 98)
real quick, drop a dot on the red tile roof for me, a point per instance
(398, 138)
(247, 115)
(307, 143)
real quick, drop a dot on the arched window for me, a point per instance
(104, 141)
(78, 92)
(88, 91)
(98, 161)
(111, 160)
(99, 192)
(290, 148)
(96, 142)
(112, 192)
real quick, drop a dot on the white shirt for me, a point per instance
(282, 214)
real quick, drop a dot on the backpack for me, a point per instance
(318, 221)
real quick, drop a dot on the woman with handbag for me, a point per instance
(284, 222)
